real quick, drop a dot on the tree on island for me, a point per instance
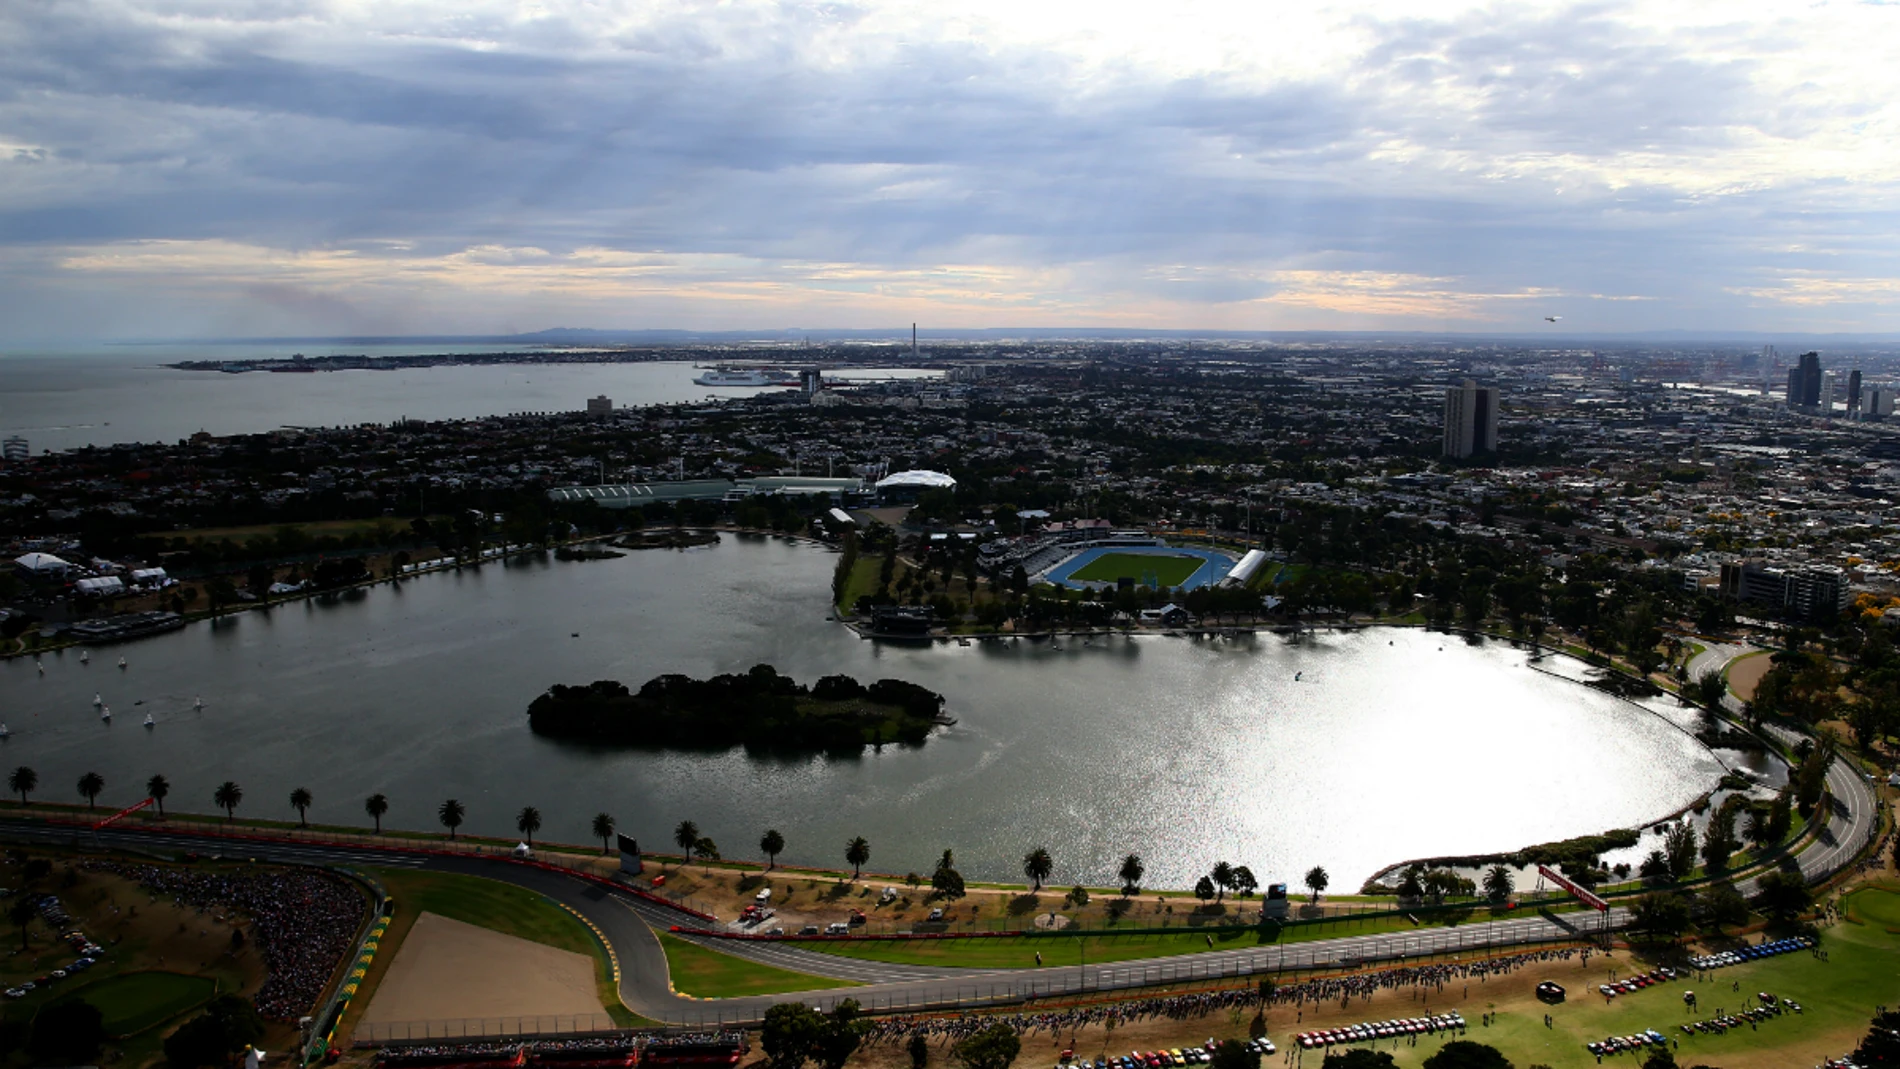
(23, 781)
(156, 789)
(90, 785)
(376, 805)
(527, 822)
(227, 797)
(771, 844)
(300, 800)
(1037, 865)
(450, 813)
(1132, 871)
(856, 853)
(686, 837)
(1316, 881)
(603, 829)
(1223, 876)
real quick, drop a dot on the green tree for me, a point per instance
(156, 789)
(1882, 1043)
(1498, 883)
(90, 785)
(376, 805)
(919, 1050)
(603, 828)
(211, 1038)
(1783, 895)
(1660, 1058)
(1204, 889)
(1245, 882)
(843, 1032)
(789, 1034)
(23, 781)
(1661, 913)
(856, 853)
(992, 1048)
(70, 1031)
(300, 800)
(227, 797)
(1131, 873)
(1316, 881)
(1464, 1054)
(22, 913)
(1710, 688)
(1680, 847)
(1722, 906)
(450, 813)
(771, 844)
(1233, 1054)
(686, 837)
(527, 822)
(706, 849)
(1223, 876)
(1359, 1058)
(1037, 865)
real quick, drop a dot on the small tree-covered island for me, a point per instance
(760, 710)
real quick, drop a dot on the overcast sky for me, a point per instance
(223, 167)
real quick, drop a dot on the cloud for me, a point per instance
(1244, 163)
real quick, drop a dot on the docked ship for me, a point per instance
(725, 376)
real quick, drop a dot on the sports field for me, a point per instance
(1180, 567)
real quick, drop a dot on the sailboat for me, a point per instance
(4, 732)
(105, 713)
(149, 722)
(198, 704)
(97, 701)
(121, 662)
(85, 656)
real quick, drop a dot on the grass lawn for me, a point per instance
(1838, 996)
(1019, 952)
(135, 1001)
(862, 581)
(1168, 570)
(499, 907)
(703, 973)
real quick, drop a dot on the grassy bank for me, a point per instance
(702, 973)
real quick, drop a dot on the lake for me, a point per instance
(1392, 743)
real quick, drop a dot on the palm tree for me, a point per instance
(90, 785)
(603, 829)
(1223, 875)
(227, 797)
(300, 801)
(856, 853)
(686, 836)
(1037, 865)
(1131, 873)
(528, 821)
(1316, 881)
(157, 788)
(376, 805)
(23, 782)
(771, 844)
(450, 813)
(1498, 884)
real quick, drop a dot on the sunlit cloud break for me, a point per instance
(191, 168)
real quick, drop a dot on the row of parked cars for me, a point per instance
(1162, 1059)
(1640, 981)
(1762, 950)
(1371, 1030)
(1643, 1040)
(1770, 1007)
(89, 955)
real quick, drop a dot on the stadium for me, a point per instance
(1152, 565)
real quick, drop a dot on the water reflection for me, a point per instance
(1185, 750)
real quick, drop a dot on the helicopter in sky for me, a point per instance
(1552, 319)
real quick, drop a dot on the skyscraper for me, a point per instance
(1471, 420)
(1804, 382)
(1853, 393)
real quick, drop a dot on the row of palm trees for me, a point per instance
(1038, 864)
(23, 781)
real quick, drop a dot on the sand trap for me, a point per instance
(447, 969)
